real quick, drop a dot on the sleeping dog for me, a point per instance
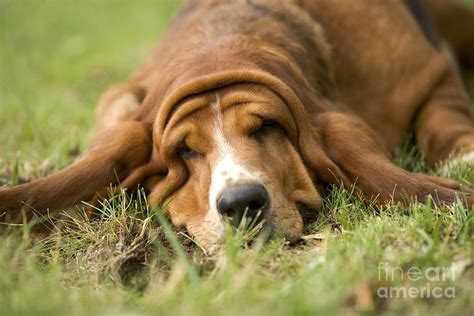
(254, 107)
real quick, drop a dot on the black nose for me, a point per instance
(245, 199)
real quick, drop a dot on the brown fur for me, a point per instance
(345, 80)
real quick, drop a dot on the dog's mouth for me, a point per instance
(260, 225)
(267, 225)
(265, 221)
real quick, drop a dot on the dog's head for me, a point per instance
(230, 152)
(235, 143)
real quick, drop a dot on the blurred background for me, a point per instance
(56, 58)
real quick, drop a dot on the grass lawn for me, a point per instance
(56, 57)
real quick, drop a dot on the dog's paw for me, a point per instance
(447, 168)
(446, 191)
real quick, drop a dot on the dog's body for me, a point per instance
(254, 105)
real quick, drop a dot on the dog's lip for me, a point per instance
(308, 213)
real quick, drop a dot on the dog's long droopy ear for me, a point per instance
(324, 170)
(114, 153)
(351, 145)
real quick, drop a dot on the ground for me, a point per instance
(55, 59)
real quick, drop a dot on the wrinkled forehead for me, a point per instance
(231, 106)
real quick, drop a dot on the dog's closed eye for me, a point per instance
(267, 126)
(185, 152)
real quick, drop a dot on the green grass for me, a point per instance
(56, 58)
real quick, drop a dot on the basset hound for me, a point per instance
(253, 107)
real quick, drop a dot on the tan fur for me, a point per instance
(345, 80)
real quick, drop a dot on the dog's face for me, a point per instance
(236, 146)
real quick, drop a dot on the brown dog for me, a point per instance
(254, 106)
